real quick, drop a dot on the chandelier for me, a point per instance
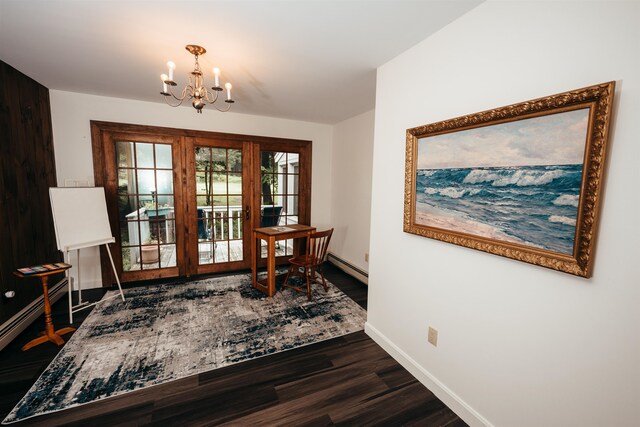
(195, 89)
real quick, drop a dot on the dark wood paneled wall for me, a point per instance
(27, 170)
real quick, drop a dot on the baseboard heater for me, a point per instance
(18, 323)
(349, 268)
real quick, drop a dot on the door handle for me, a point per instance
(247, 213)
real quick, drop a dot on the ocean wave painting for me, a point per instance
(536, 205)
(516, 182)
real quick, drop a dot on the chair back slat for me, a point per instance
(310, 264)
(317, 245)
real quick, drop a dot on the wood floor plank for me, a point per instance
(136, 415)
(215, 408)
(338, 374)
(408, 402)
(321, 421)
(348, 393)
(443, 417)
(366, 349)
(276, 370)
(395, 376)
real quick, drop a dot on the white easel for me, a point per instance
(81, 221)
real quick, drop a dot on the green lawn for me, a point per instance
(222, 184)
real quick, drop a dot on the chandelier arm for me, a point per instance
(215, 98)
(187, 91)
(182, 96)
(166, 98)
(204, 93)
(223, 110)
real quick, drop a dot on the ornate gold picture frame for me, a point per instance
(522, 181)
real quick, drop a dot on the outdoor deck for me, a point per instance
(223, 251)
(208, 252)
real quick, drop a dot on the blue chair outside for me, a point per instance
(203, 233)
(270, 216)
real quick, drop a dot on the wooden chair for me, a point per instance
(310, 262)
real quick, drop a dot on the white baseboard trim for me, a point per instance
(453, 401)
(349, 268)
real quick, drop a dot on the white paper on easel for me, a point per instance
(80, 217)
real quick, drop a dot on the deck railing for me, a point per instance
(226, 217)
(224, 222)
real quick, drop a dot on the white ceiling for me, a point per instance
(302, 60)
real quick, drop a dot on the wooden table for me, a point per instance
(271, 235)
(49, 333)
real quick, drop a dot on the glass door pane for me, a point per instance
(219, 214)
(279, 194)
(146, 205)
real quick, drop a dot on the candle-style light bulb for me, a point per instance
(172, 66)
(164, 77)
(228, 86)
(216, 76)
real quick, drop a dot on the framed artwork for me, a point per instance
(522, 181)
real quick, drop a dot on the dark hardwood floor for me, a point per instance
(345, 381)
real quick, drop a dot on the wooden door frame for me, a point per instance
(109, 180)
(194, 268)
(102, 144)
(303, 148)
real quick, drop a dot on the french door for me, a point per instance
(284, 190)
(183, 202)
(218, 204)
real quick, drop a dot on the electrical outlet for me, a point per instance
(433, 336)
(366, 257)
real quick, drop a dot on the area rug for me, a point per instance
(166, 332)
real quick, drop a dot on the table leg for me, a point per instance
(49, 333)
(271, 267)
(35, 342)
(48, 323)
(254, 259)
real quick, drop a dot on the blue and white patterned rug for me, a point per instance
(166, 332)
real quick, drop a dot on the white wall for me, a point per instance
(71, 113)
(519, 345)
(351, 188)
